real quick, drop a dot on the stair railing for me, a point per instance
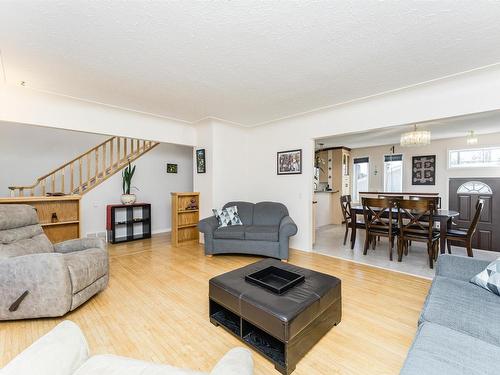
(87, 170)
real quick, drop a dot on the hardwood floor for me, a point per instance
(156, 308)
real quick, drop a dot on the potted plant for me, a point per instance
(127, 175)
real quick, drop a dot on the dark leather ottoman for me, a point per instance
(284, 327)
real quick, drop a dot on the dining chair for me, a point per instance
(416, 223)
(378, 215)
(349, 220)
(436, 200)
(465, 236)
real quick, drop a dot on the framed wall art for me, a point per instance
(171, 168)
(423, 170)
(289, 162)
(201, 166)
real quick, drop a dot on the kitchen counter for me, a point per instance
(326, 191)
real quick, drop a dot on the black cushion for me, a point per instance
(456, 233)
(233, 232)
(262, 233)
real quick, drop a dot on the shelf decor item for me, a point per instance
(201, 166)
(289, 162)
(127, 174)
(185, 217)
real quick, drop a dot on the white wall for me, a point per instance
(31, 151)
(469, 93)
(443, 173)
(153, 182)
(226, 148)
(28, 152)
(26, 106)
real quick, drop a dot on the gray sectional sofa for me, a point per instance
(459, 327)
(39, 279)
(266, 230)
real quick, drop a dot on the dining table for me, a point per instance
(442, 216)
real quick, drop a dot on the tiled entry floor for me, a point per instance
(329, 241)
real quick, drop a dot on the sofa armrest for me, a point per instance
(208, 225)
(60, 352)
(288, 227)
(236, 361)
(459, 268)
(44, 277)
(80, 244)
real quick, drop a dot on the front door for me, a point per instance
(464, 194)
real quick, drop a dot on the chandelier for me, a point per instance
(415, 138)
(471, 138)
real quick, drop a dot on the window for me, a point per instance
(360, 180)
(474, 187)
(393, 173)
(474, 158)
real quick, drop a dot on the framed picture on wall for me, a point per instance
(200, 161)
(289, 162)
(171, 168)
(423, 170)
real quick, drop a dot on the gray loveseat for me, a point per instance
(459, 327)
(266, 230)
(38, 279)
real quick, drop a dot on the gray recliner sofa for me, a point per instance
(266, 230)
(459, 329)
(39, 279)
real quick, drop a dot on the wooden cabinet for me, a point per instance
(58, 216)
(185, 217)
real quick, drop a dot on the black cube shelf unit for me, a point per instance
(128, 222)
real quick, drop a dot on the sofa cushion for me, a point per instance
(439, 350)
(245, 211)
(262, 233)
(85, 267)
(16, 216)
(59, 352)
(114, 365)
(489, 278)
(227, 216)
(235, 232)
(37, 244)
(464, 307)
(269, 213)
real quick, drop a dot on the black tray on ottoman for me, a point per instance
(275, 279)
(283, 327)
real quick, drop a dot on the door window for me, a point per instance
(474, 187)
(393, 173)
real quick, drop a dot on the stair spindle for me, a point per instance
(125, 140)
(53, 182)
(118, 149)
(62, 180)
(111, 154)
(103, 160)
(43, 187)
(80, 178)
(71, 178)
(96, 165)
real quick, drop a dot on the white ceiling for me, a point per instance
(243, 61)
(453, 127)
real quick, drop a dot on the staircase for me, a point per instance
(88, 170)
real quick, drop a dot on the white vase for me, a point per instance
(128, 198)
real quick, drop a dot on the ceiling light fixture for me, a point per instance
(471, 138)
(415, 138)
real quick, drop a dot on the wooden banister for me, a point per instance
(102, 161)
